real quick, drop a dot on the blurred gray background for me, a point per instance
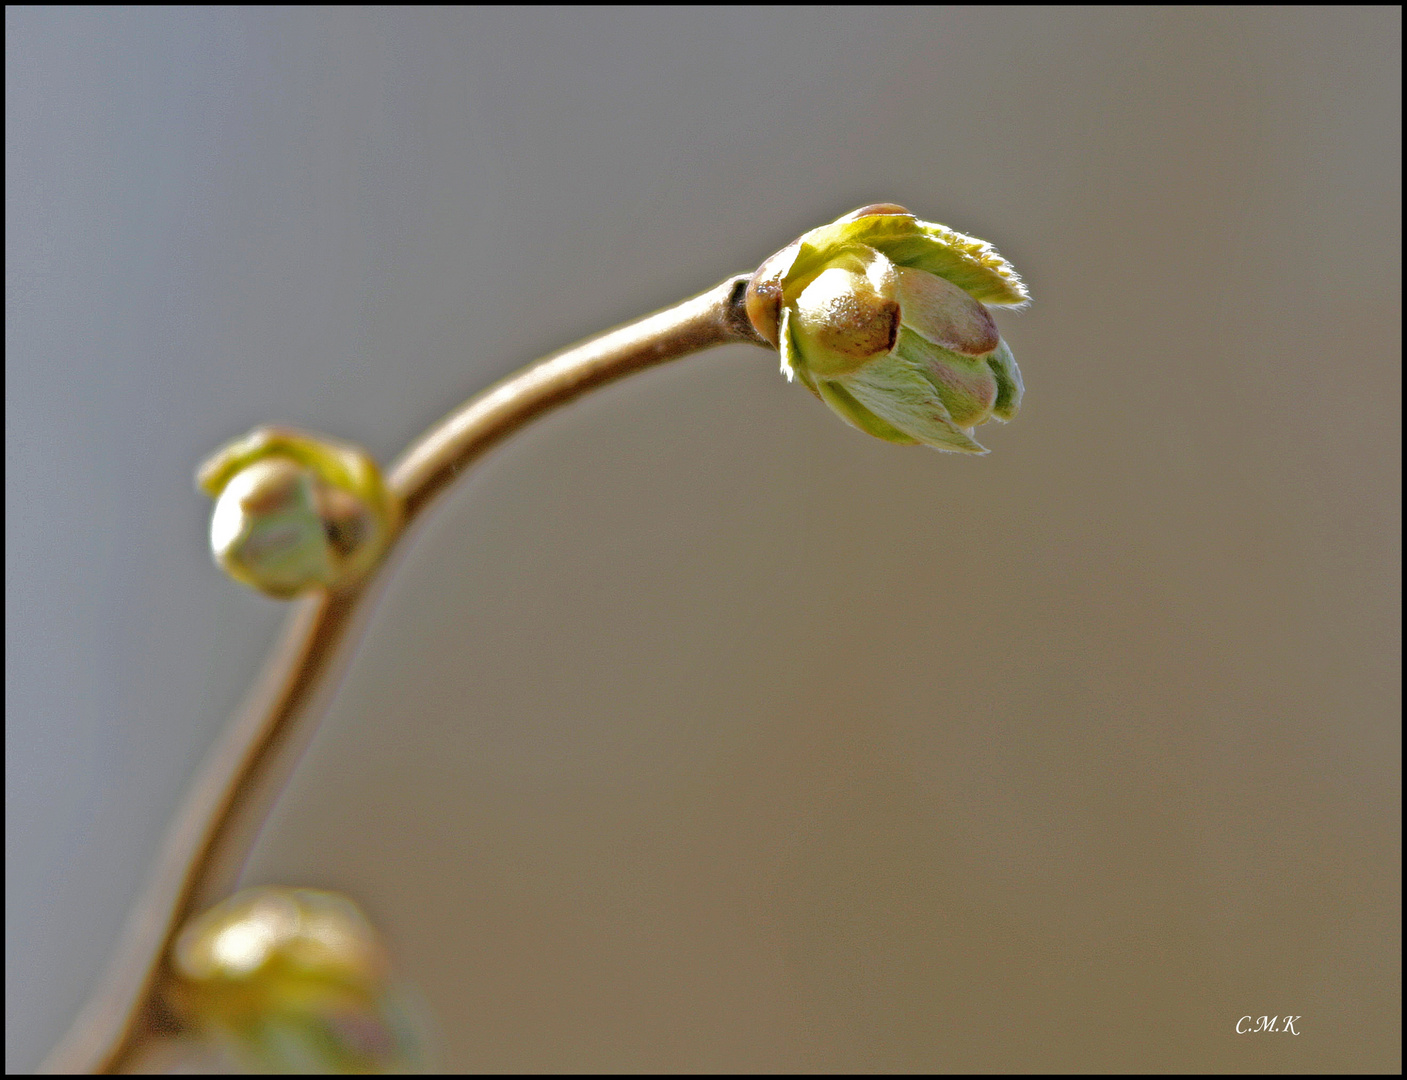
(697, 730)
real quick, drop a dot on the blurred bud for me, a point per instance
(292, 980)
(884, 318)
(296, 511)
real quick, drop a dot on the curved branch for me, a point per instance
(210, 838)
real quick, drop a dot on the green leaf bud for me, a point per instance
(885, 318)
(296, 511)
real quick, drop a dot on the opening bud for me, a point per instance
(885, 318)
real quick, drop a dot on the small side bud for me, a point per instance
(293, 980)
(295, 511)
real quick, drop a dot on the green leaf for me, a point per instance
(843, 403)
(965, 384)
(971, 264)
(1009, 385)
(895, 390)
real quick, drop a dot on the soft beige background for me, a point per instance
(698, 731)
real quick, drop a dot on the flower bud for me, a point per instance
(295, 511)
(885, 318)
(292, 980)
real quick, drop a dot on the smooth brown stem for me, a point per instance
(219, 822)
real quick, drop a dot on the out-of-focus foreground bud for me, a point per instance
(884, 318)
(296, 511)
(293, 980)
